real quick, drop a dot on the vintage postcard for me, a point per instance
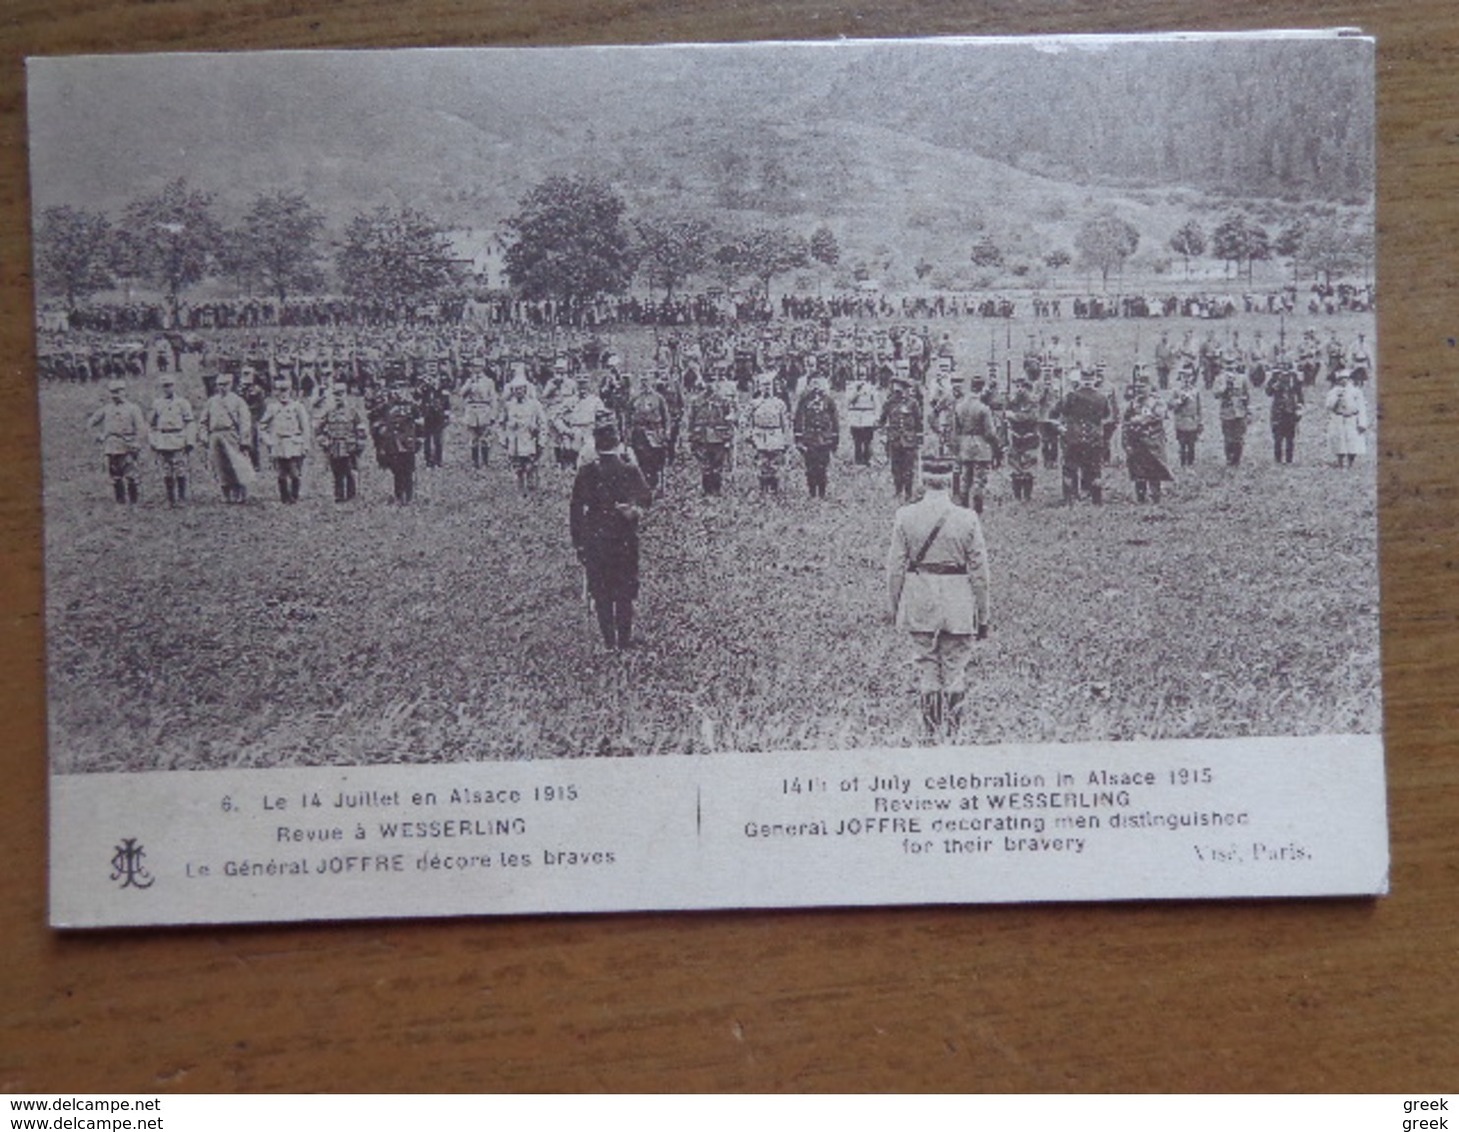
(785, 474)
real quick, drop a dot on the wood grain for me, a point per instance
(1318, 995)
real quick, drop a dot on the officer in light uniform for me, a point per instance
(937, 582)
(121, 428)
(171, 437)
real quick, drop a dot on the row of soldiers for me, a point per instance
(1070, 420)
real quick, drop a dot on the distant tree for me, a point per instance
(1240, 240)
(1058, 258)
(924, 268)
(1189, 242)
(673, 248)
(727, 261)
(172, 239)
(1289, 242)
(571, 242)
(986, 253)
(73, 253)
(1330, 248)
(1104, 243)
(234, 261)
(279, 244)
(824, 248)
(1258, 247)
(394, 256)
(769, 251)
(1228, 241)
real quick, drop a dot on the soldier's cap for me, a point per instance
(167, 379)
(560, 365)
(115, 385)
(517, 382)
(901, 379)
(933, 465)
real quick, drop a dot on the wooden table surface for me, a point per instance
(1317, 995)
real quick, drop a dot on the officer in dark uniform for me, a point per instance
(435, 413)
(1284, 387)
(711, 432)
(609, 498)
(395, 425)
(817, 434)
(1023, 439)
(1084, 413)
(901, 417)
(648, 431)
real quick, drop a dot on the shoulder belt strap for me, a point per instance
(926, 546)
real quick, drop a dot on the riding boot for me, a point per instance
(1096, 494)
(978, 504)
(606, 627)
(1155, 491)
(284, 489)
(623, 620)
(953, 712)
(119, 489)
(1140, 491)
(171, 485)
(931, 715)
(131, 491)
(181, 489)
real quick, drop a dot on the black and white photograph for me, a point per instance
(500, 406)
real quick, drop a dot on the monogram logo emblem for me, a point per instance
(127, 867)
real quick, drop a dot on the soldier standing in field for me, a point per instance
(673, 394)
(1165, 355)
(1185, 413)
(525, 430)
(648, 430)
(1143, 438)
(817, 434)
(609, 498)
(1083, 414)
(977, 444)
(1234, 399)
(581, 420)
(482, 411)
(863, 407)
(285, 430)
(770, 433)
(171, 437)
(711, 428)
(435, 414)
(901, 417)
(395, 425)
(1023, 419)
(227, 431)
(1347, 420)
(122, 429)
(341, 433)
(1284, 387)
(937, 582)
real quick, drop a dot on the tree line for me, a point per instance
(570, 241)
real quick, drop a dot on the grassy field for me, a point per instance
(455, 629)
